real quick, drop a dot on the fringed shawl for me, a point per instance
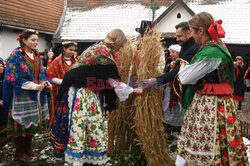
(92, 70)
(17, 72)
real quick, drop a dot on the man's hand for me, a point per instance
(149, 82)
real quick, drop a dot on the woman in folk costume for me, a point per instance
(60, 65)
(239, 85)
(3, 113)
(24, 77)
(92, 79)
(171, 108)
(210, 134)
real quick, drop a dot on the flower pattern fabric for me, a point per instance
(57, 69)
(18, 71)
(59, 131)
(210, 134)
(94, 55)
(88, 129)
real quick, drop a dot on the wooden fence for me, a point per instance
(245, 129)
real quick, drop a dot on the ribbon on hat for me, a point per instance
(215, 30)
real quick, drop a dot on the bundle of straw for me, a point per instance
(148, 116)
(120, 122)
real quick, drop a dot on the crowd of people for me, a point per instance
(201, 82)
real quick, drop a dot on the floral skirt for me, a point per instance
(59, 128)
(211, 134)
(87, 142)
(79, 129)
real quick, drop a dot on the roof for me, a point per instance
(235, 15)
(91, 21)
(95, 3)
(42, 15)
(171, 8)
(82, 24)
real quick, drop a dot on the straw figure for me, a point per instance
(120, 122)
(148, 115)
(142, 115)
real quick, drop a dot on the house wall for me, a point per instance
(8, 42)
(167, 24)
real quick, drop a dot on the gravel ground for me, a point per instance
(42, 145)
(244, 114)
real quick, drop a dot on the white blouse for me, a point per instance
(191, 73)
(122, 90)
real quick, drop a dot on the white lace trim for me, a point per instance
(199, 153)
(31, 117)
(193, 152)
(76, 161)
(122, 90)
(181, 138)
(70, 100)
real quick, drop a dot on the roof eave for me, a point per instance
(244, 44)
(78, 40)
(22, 28)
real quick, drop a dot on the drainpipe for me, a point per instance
(56, 36)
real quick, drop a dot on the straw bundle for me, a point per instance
(120, 122)
(140, 117)
(148, 115)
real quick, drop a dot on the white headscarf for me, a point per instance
(175, 47)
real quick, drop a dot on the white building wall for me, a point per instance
(167, 24)
(8, 42)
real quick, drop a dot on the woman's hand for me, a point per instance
(50, 55)
(48, 85)
(138, 91)
(40, 87)
(183, 63)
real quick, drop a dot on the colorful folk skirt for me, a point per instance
(59, 128)
(211, 134)
(78, 129)
(24, 118)
(87, 141)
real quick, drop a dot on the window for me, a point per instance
(179, 15)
